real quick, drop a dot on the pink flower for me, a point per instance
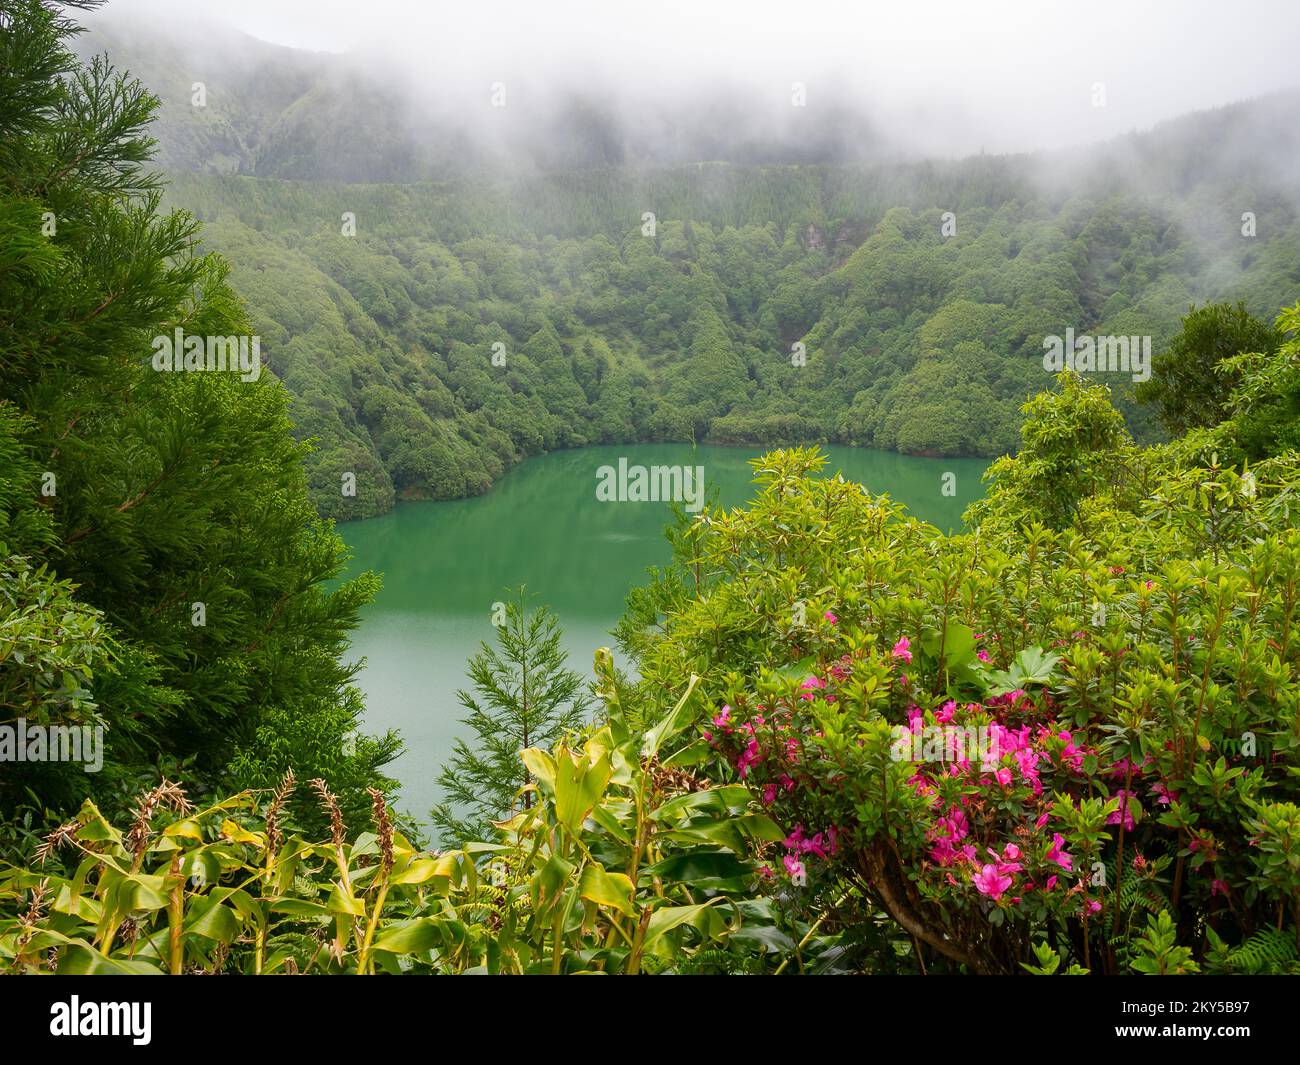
(958, 826)
(1071, 754)
(1218, 887)
(903, 649)
(830, 617)
(943, 852)
(814, 846)
(1003, 777)
(1057, 855)
(1123, 812)
(1042, 820)
(724, 718)
(769, 794)
(1093, 906)
(944, 714)
(988, 881)
(1011, 852)
(750, 756)
(1051, 882)
(794, 867)
(983, 656)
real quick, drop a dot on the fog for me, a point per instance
(913, 78)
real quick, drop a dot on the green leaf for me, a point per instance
(580, 781)
(716, 870)
(1031, 666)
(213, 921)
(83, 961)
(711, 800)
(341, 902)
(607, 889)
(678, 719)
(300, 908)
(139, 891)
(666, 918)
(541, 766)
(548, 883)
(410, 937)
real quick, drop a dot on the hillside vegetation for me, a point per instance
(464, 327)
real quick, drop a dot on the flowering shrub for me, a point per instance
(1023, 735)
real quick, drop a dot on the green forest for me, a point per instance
(773, 305)
(1062, 740)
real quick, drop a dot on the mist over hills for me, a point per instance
(280, 112)
(521, 230)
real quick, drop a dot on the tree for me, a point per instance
(1266, 406)
(1073, 446)
(1188, 387)
(525, 698)
(164, 514)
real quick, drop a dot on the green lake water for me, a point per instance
(445, 564)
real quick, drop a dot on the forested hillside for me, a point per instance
(433, 334)
(912, 341)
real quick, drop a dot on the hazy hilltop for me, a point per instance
(272, 111)
(279, 112)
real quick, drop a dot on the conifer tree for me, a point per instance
(523, 697)
(168, 511)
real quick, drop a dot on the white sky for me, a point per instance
(998, 74)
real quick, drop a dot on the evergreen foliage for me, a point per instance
(523, 697)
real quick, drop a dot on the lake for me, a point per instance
(444, 565)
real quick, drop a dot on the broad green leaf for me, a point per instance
(341, 902)
(140, 891)
(233, 831)
(580, 781)
(666, 918)
(541, 766)
(607, 889)
(214, 921)
(94, 828)
(187, 829)
(716, 870)
(711, 800)
(410, 937)
(680, 716)
(300, 908)
(548, 884)
(83, 961)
